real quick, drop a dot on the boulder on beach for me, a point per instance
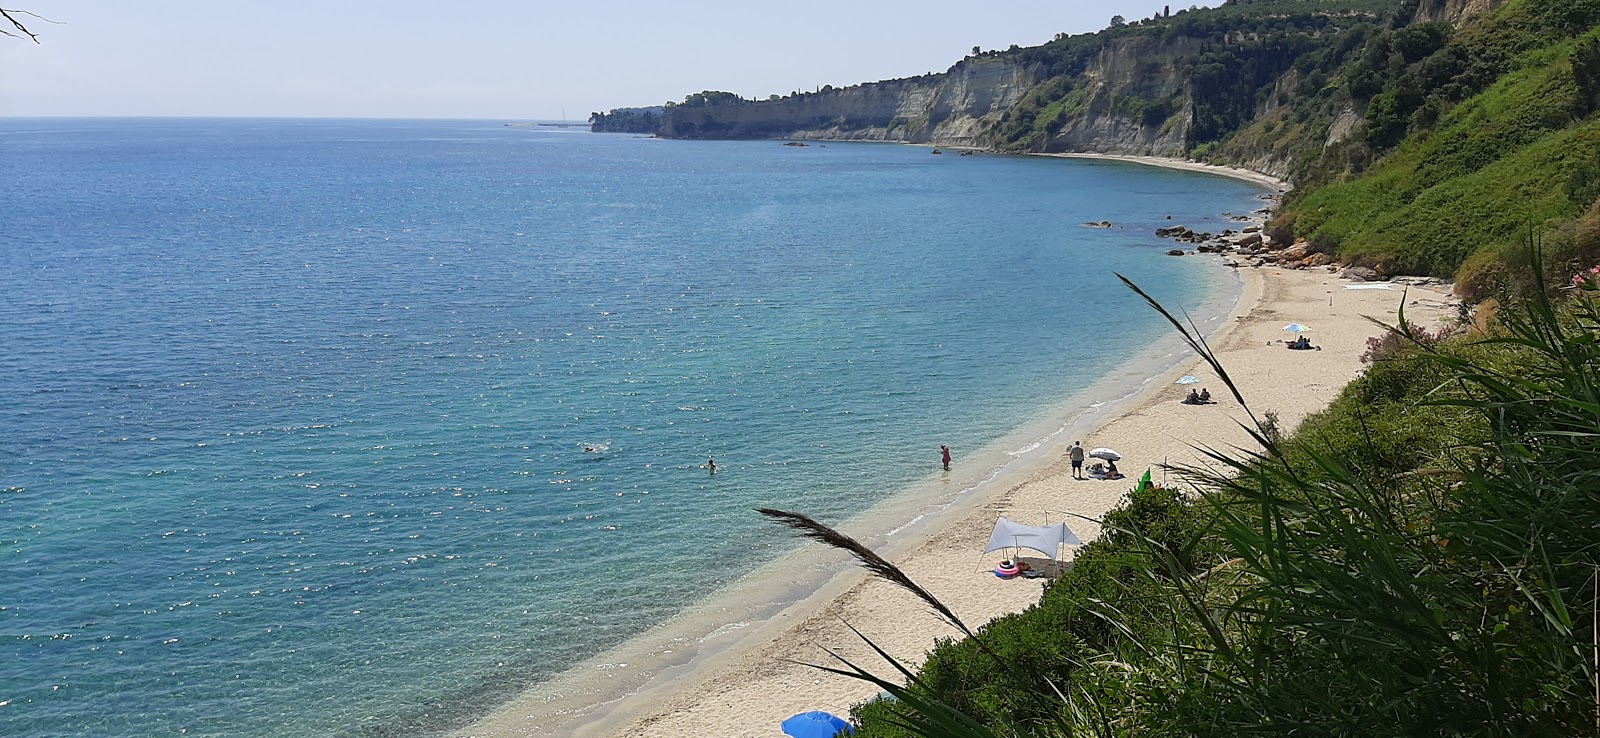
(1361, 274)
(1298, 251)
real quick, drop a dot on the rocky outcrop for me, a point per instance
(962, 106)
(1137, 68)
(1452, 11)
(1115, 134)
(1226, 89)
(949, 109)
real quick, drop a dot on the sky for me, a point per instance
(487, 59)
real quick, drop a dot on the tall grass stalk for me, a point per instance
(1303, 590)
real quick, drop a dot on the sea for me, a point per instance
(365, 427)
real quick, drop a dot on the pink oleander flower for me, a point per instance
(1588, 279)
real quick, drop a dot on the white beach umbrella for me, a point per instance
(1297, 328)
(1186, 379)
(1106, 453)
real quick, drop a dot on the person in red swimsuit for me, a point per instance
(945, 452)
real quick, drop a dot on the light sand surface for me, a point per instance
(1187, 165)
(749, 689)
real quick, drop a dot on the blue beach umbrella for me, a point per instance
(816, 724)
(1297, 328)
(1186, 379)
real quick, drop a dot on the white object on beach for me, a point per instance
(1297, 328)
(1186, 379)
(1106, 453)
(1368, 287)
(1044, 539)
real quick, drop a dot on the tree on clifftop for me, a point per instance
(1118, 21)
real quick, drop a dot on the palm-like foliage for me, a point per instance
(1309, 591)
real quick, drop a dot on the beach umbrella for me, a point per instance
(816, 724)
(1106, 453)
(1186, 379)
(1297, 328)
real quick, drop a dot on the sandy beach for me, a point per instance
(1187, 165)
(751, 686)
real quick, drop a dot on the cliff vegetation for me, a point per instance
(1422, 136)
(1418, 559)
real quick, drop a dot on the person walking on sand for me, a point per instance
(944, 451)
(1076, 454)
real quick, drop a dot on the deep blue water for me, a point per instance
(293, 414)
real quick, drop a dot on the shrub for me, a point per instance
(1395, 344)
(1482, 276)
(1281, 228)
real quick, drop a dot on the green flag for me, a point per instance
(1144, 481)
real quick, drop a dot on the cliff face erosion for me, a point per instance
(1419, 134)
(956, 107)
(1162, 86)
(966, 105)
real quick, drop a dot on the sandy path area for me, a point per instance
(754, 686)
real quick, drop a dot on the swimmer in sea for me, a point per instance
(711, 463)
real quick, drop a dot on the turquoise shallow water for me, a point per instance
(295, 412)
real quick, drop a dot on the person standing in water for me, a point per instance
(1076, 455)
(944, 451)
(711, 463)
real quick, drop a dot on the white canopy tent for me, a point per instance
(1045, 539)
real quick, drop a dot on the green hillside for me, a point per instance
(1417, 560)
(1420, 558)
(1458, 134)
(1472, 174)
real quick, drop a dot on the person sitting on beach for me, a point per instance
(1193, 398)
(1301, 344)
(1205, 396)
(1111, 470)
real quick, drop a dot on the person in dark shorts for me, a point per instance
(1076, 454)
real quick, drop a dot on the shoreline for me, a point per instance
(747, 691)
(604, 694)
(742, 677)
(1188, 165)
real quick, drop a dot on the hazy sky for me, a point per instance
(496, 59)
